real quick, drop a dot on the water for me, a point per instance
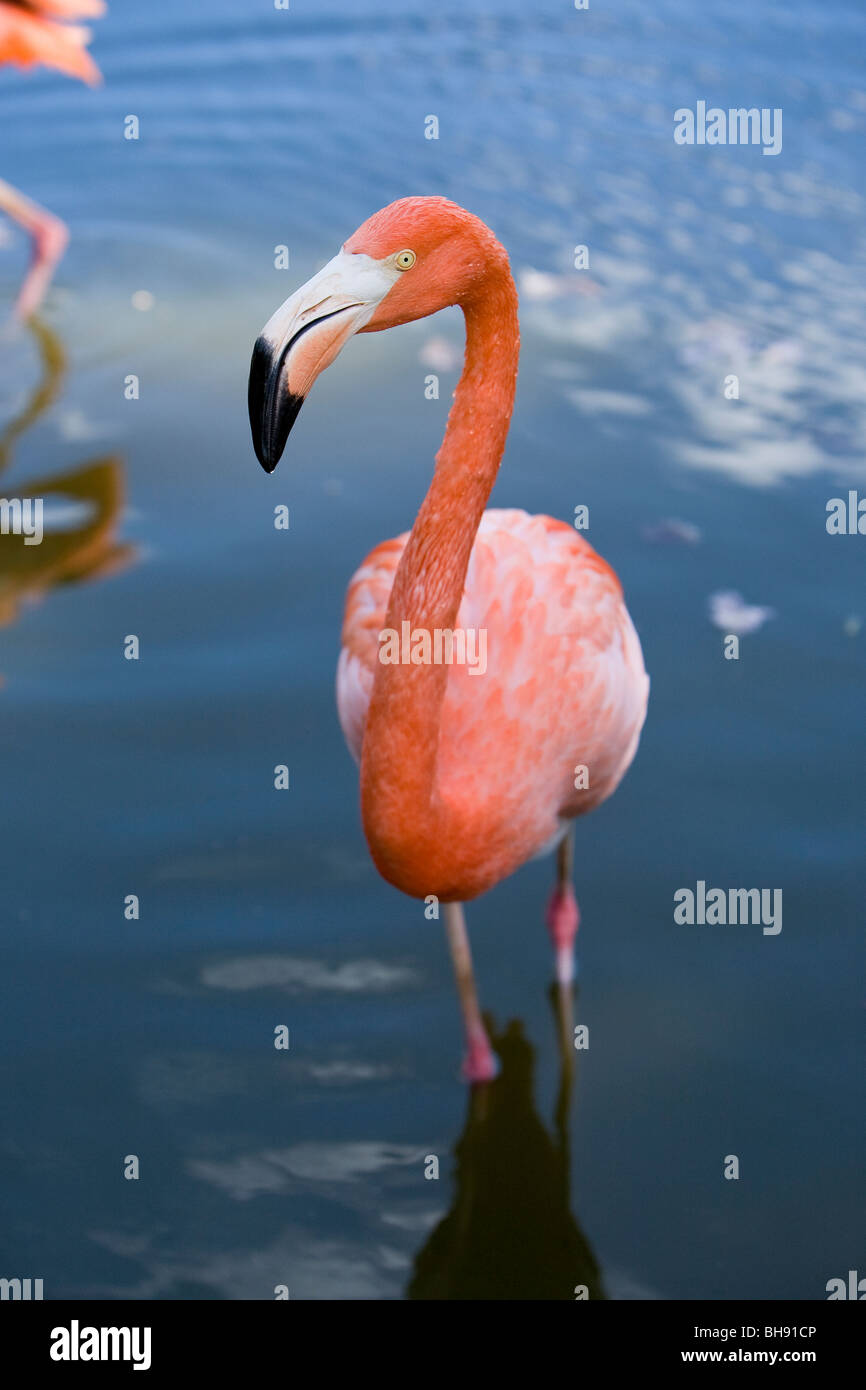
(257, 908)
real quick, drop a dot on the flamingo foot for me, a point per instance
(50, 239)
(563, 920)
(480, 1063)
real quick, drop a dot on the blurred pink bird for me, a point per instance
(32, 32)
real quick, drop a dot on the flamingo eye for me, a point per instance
(404, 260)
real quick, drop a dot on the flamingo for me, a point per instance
(31, 32)
(462, 780)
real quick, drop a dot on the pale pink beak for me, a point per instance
(303, 338)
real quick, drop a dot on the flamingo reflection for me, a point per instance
(94, 492)
(510, 1233)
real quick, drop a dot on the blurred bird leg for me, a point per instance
(49, 237)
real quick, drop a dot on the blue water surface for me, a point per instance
(154, 1037)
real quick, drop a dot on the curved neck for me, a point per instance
(402, 810)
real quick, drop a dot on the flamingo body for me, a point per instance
(565, 686)
(31, 34)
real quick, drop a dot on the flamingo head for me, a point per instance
(409, 260)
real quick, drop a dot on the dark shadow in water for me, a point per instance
(510, 1233)
(86, 551)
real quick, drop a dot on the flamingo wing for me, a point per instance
(564, 689)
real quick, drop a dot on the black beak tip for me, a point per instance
(273, 410)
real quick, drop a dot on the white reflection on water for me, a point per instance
(320, 1269)
(273, 1170)
(729, 612)
(291, 973)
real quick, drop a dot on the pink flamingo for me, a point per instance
(462, 779)
(29, 34)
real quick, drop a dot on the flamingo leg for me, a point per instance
(563, 915)
(480, 1063)
(49, 237)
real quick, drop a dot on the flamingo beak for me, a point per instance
(304, 337)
